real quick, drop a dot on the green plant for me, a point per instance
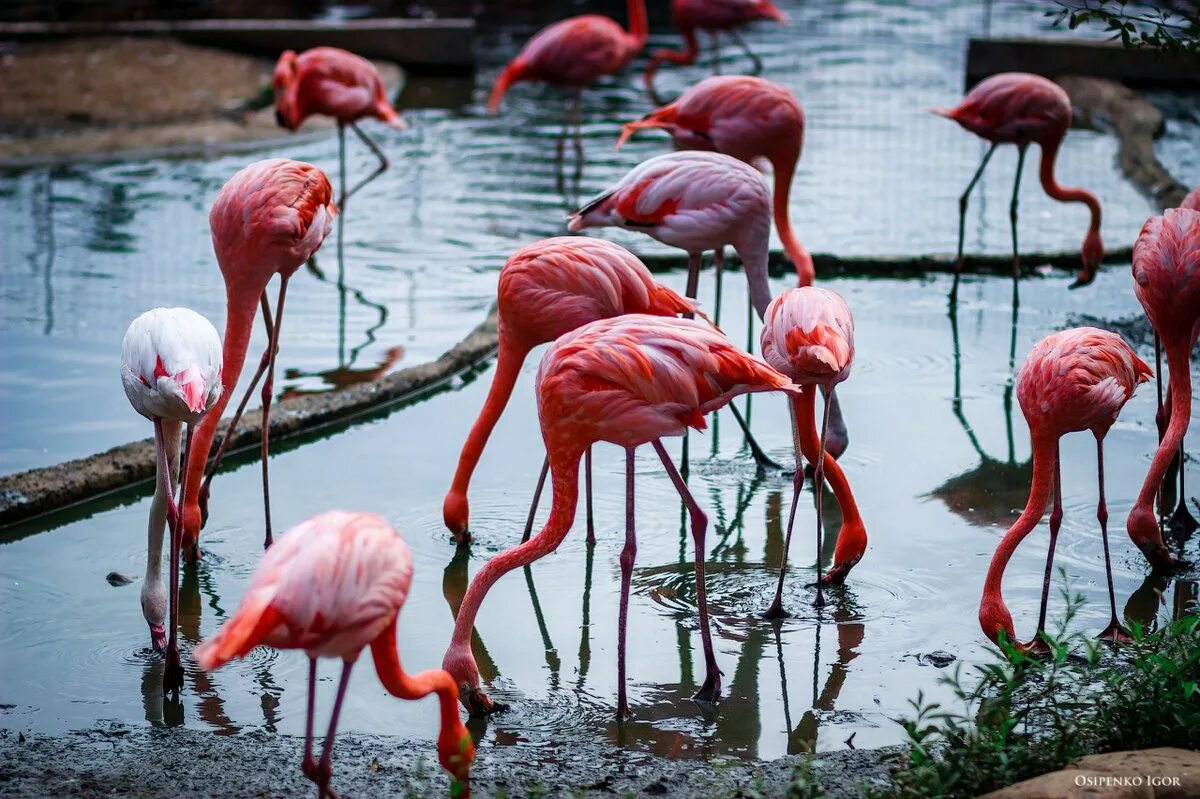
(1169, 27)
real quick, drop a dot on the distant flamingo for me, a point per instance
(1074, 380)
(575, 52)
(808, 335)
(331, 82)
(171, 371)
(267, 220)
(713, 17)
(629, 380)
(331, 586)
(1166, 274)
(547, 290)
(699, 201)
(747, 118)
(1022, 109)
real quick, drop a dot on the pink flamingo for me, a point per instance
(575, 52)
(333, 585)
(1166, 274)
(171, 371)
(547, 290)
(714, 17)
(628, 380)
(1074, 380)
(1022, 109)
(747, 118)
(1192, 201)
(808, 335)
(328, 81)
(267, 220)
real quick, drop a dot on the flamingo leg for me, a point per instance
(1012, 218)
(776, 611)
(309, 764)
(719, 266)
(1038, 644)
(173, 671)
(267, 392)
(587, 487)
(1182, 523)
(754, 59)
(716, 53)
(818, 488)
(537, 497)
(325, 766)
(628, 554)
(1115, 632)
(379, 170)
(962, 223)
(241, 408)
(711, 689)
(577, 123)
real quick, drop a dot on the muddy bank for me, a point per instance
(98, 97)
(181, 763)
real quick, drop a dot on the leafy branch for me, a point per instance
(1171, 26)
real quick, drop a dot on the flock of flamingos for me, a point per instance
(630, 363)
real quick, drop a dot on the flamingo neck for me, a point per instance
(785, 170)
(685, 56)
(1063, 194)
(639, 26)
(993, 613)
(852, 537)
(1180, 388)
(509, 359)
(156, 526)
(755, 263)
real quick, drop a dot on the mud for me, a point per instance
(181, 763)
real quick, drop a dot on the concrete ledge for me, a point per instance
(433, 44)
(1103, 59)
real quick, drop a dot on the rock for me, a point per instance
(1163, 773)
(116, 579)
(938, 659)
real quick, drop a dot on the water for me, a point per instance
(88, 247)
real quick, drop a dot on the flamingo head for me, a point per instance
(1143, 530)
(995, 620)
(287, 114)
(158, 637)
(1092, 254)
(770, 11)
(456, 512)
(456, 751)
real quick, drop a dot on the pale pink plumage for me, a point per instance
(171, 364)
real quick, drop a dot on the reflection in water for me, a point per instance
(42, 208)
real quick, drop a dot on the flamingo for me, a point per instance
(332, 82)
(575, 52)
(629, 380)
(698, 201)
(171, 372)
(333, 585)
(747, 118)
(1166, 274)
(1073, 380)
(1192, 201)
(1022, 109)
(808, 335)
(267, 220)
(547, 290)
(713, 17)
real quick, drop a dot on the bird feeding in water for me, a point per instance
(332, 586)
(171, 372)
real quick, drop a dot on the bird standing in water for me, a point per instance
(547, 290)
(1074, 380)
(713, 17)
(747, 118)
(808, 335)
(1166, 275)
(267, 220)
(333, 585)
(629, 380)
(1022, 109)
(171, 372)
(575, 53)
(327, 81)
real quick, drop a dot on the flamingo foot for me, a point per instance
(320, 775)
(158, 637)
(478, 703)
(173, 673)
(1115, 633)
(711, 690)
(1037, 647)
(776, 611)
(1182, 524)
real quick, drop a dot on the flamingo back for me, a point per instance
(1078, 379)
(1166, 272)
(329, 586)
(171, 364)
(269, 218)
(332, 82)
(632, 379)
(576, 51)
(1015, 108)
(559, 284)
(722, 15)
(808, 334)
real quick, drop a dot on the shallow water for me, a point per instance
(938, 480)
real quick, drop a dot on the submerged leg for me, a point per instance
(711, 689)
(962, 222)
(1038, 644)
(1012, 218)
(268, 390)
(1182, 524)
(754, 59)
(1114, 631)
(818, 488)
(537, 497)
(379, 170)
(627, 557)
(776, 611)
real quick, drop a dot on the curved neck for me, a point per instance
(564, 473)
(156, 525)
(639, 27)
(1180, 387)
(509, 359)
(1045, 455)
(785, 170)
(1062, 194)
(756, 266)
(852, 538)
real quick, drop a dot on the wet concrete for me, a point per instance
(182, 763)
